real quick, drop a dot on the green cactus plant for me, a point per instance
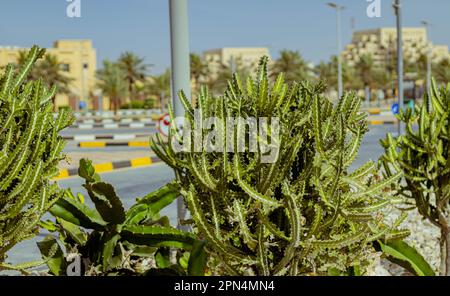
(305, 212)
(422, 155)
(112, 241)
(30, 150)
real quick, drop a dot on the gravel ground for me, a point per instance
(424, 237)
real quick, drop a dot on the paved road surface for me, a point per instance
(73, 147)
(371, 148)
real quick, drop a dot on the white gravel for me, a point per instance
(424, 237)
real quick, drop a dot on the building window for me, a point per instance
(65, 67)
(85, 66)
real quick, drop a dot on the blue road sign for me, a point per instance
(82, 105)
(395, 109)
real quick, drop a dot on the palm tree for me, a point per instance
(327, 72)
(199, 70)
(419, 68)
(160, 87)
(442, 71)
(292, 65)
(220, 81)
(20, 60)
(49, 71)
(111, 80)
(135, 70)
(324, 72)
(225, 73)
(364, 68)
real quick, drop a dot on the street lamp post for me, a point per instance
(429, 57)
(398, 13)
(339, 8)
(179, 37)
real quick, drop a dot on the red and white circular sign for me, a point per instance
(164, 125)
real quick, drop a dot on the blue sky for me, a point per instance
(142, 26)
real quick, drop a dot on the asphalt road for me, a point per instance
(371, 148)
(73, 147)
(133, 183)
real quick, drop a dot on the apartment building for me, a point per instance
(78, 60)
(382, 43)
(247, 56)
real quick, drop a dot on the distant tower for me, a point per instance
(353, 24)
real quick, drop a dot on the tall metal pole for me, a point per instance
(339, 49)
(398, 12)
(232, 65)
(179, 37)
(429, 75)
(429, 58)
(339, 45)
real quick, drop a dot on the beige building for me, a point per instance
(381, 44)
(246, 56)
(78, 60)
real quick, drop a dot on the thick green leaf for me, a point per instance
(74, 231)
(334, 272)
(137, 214)
(183, 260)
(77, 213)
(162, 257)
(48, 225)
(139, 250)
(399, 252)
(197, 259)
(159, 199)
(106, 202)
(157, 236)
(53, 255)
(109, 244)
(86, 170)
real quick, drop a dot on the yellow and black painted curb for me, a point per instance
(99, 144)
(382, 122)
(111, 166)
(374, 111)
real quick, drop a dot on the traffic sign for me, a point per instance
(82, 105)
(395, 109)
(164, 125)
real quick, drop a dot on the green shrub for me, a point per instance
(305, 213)
(111, 241)
(125, 106)
(30, 150)
(149, 104)
(64, 108)
(138, 104)
(422, 155)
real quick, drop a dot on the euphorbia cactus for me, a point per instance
(303, 212)
(422, 155)
(30, 150)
